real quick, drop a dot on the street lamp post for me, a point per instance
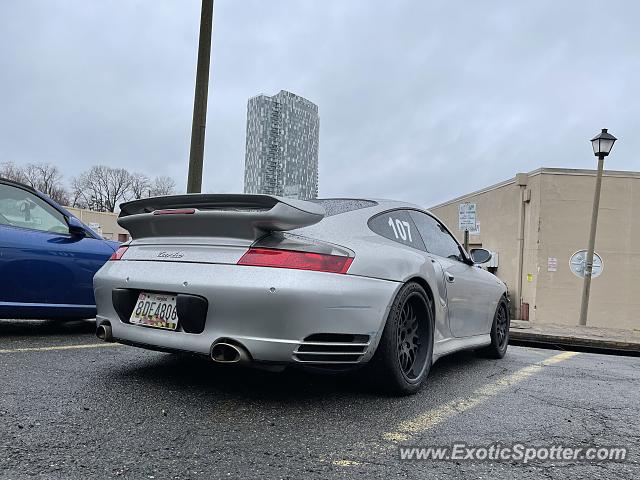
(602, 145)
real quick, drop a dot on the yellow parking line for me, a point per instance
(346, 463)
(438, 415)
(425, 421)
(60, 347)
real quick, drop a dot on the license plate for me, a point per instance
(156, 310)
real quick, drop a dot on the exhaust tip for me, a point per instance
(223, 352)
(103, 332)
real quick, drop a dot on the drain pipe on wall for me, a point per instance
(522, 180)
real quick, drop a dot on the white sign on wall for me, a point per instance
(552, 264)
(467, 216)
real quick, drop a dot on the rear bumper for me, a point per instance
(269, 311)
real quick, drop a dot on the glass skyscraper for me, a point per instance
(282, 146)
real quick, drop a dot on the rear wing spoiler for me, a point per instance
(241, 216)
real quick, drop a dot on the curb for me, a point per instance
(598, 345)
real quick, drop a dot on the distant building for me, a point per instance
(282, 146)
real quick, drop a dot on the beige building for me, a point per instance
(103, 223)
(552, 207)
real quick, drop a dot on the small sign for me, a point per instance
(529, 277)
(552, 264)
(475, 231)
(467, 216)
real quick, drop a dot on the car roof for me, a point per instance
(13, 183)
(381, 203)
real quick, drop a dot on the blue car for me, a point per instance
(47, 257)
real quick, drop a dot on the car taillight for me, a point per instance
(117, 255)
(268, 257)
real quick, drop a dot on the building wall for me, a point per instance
(557, 219)
(103, 223)
(565, 219)
(282, 146)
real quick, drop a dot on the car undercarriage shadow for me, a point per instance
(32, 328)
(177, 372)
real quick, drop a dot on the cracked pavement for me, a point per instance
(123, 412)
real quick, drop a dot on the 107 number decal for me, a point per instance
(401, 229)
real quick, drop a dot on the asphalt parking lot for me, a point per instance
(71, 407)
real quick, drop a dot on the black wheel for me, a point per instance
(403, 358)
(499, 332)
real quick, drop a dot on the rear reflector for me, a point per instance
(268, 257)
(175, 211)
(117, 255)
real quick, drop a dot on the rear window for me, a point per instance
(336, 206)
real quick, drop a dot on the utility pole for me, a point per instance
(198, 125)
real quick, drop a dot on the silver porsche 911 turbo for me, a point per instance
(332, 284)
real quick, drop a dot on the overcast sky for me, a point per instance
(419, 100)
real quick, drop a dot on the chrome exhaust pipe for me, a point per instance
(103, 332)
(223, 352)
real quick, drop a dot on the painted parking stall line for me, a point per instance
(434, 417)
(407, 429)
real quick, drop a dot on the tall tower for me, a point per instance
(282, 146)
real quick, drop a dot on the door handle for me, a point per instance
(450, 278)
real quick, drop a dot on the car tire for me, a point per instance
(499, 332)
(405, 352)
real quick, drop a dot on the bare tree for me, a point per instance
(44, 177)
(163, 186)
(140, 186)
(11, 171)
(47, 179)
(59, 194)
(101, 188)
(77, 194)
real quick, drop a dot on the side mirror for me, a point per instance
(76, 228)
(480, 255)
